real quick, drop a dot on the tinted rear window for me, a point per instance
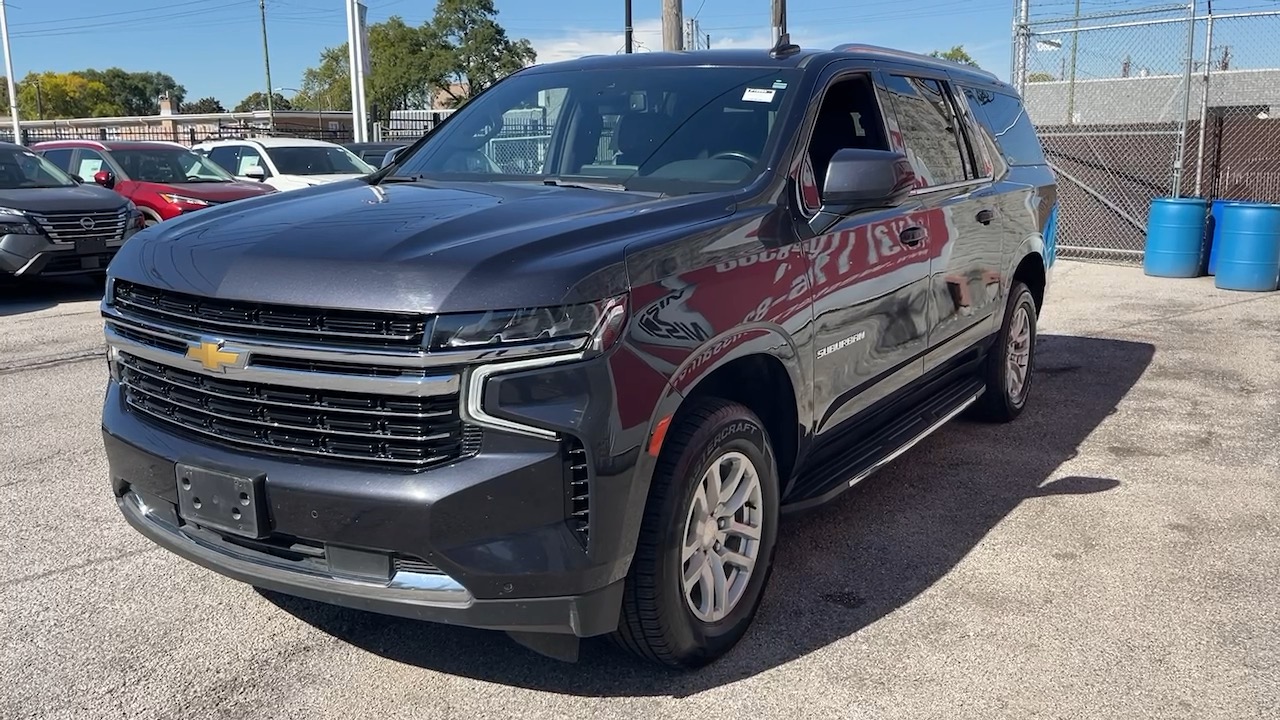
(1007, 120)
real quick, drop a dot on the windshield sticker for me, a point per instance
(779, 85)
(762, 95)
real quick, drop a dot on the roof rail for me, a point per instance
(784, 47)
(903, 54)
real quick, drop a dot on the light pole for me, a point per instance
(8, 66)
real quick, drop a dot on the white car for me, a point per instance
(285, 163)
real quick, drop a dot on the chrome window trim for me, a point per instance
(478, 379)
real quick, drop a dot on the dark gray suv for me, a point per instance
(557, 373)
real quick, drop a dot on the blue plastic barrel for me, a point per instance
(1211, 234)
(1249, 247)
(1175, 237)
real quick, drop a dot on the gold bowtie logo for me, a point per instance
(212, 356)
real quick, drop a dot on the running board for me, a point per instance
(834, 477)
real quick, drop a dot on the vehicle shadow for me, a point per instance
(18, 297)
(839, 568)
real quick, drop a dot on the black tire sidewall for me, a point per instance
(735, 429)
(1019, 297)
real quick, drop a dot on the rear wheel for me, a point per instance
(1010, 365)
(706, 544)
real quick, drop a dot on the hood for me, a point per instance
(410, 246)
(77, 198)
(213, 192)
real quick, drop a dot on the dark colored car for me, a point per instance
(163, 179)
(50, 224)
(375, 153)
(574, 402)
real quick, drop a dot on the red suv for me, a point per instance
(163, 179)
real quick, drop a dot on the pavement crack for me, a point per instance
(77, 566)
(52, 361)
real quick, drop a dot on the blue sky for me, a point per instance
(214, 47)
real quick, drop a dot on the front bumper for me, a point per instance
(36, 255)
(487, 537)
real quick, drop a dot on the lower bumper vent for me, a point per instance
(579, 480)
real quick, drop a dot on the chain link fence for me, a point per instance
(1154, 102)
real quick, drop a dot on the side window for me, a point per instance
(250, 157)
(986, 149)
(91, 161)
(227, 157)
(60, 157)
(849, 117)
(1006, 118)
(931, 133)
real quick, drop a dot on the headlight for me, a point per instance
(595, 326)
(183, 200)
(16, 222)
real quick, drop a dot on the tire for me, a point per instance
(659, 621)
(1004, 401)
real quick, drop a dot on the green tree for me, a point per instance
(258, 101)
(461, 51)
(957, 54)
(473, 50)
(204, 106)
(1040, 77)
(137, 93)
(51, 95)
(328, 85)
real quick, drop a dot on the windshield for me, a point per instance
(168, 165)
(25, 169)
(317, 160)
(668, 130)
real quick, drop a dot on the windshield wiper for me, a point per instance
(584, 184)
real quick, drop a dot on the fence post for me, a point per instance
(1204, 98)
(1021, 45)
(1180, 158)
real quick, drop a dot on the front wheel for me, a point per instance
(706, 544)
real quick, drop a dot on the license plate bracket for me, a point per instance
(91, 246)
(222, 501)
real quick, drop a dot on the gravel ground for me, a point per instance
(1115, 553)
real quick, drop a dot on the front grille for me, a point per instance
(406, 432)
(68, 227)
(347, 328)
(579, 491)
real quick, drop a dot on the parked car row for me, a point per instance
(66, 206)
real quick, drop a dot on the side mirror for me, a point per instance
(866, 179)
(256, 173)
(105, 178)
(392, 156)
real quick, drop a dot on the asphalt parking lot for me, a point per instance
(1115, 553)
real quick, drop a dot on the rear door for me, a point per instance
(955, 185)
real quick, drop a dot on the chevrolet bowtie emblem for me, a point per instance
(212, 356)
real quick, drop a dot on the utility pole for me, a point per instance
(779, 19)
(672, 25)
(1022, 45)
(626, 4)
(266, 59)
(8, 67)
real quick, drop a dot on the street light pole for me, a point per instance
(8, 67)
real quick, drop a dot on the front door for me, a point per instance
(870, 270)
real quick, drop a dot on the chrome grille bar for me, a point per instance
(69, 227)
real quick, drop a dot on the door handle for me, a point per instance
(912, 236)
(986, 217)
